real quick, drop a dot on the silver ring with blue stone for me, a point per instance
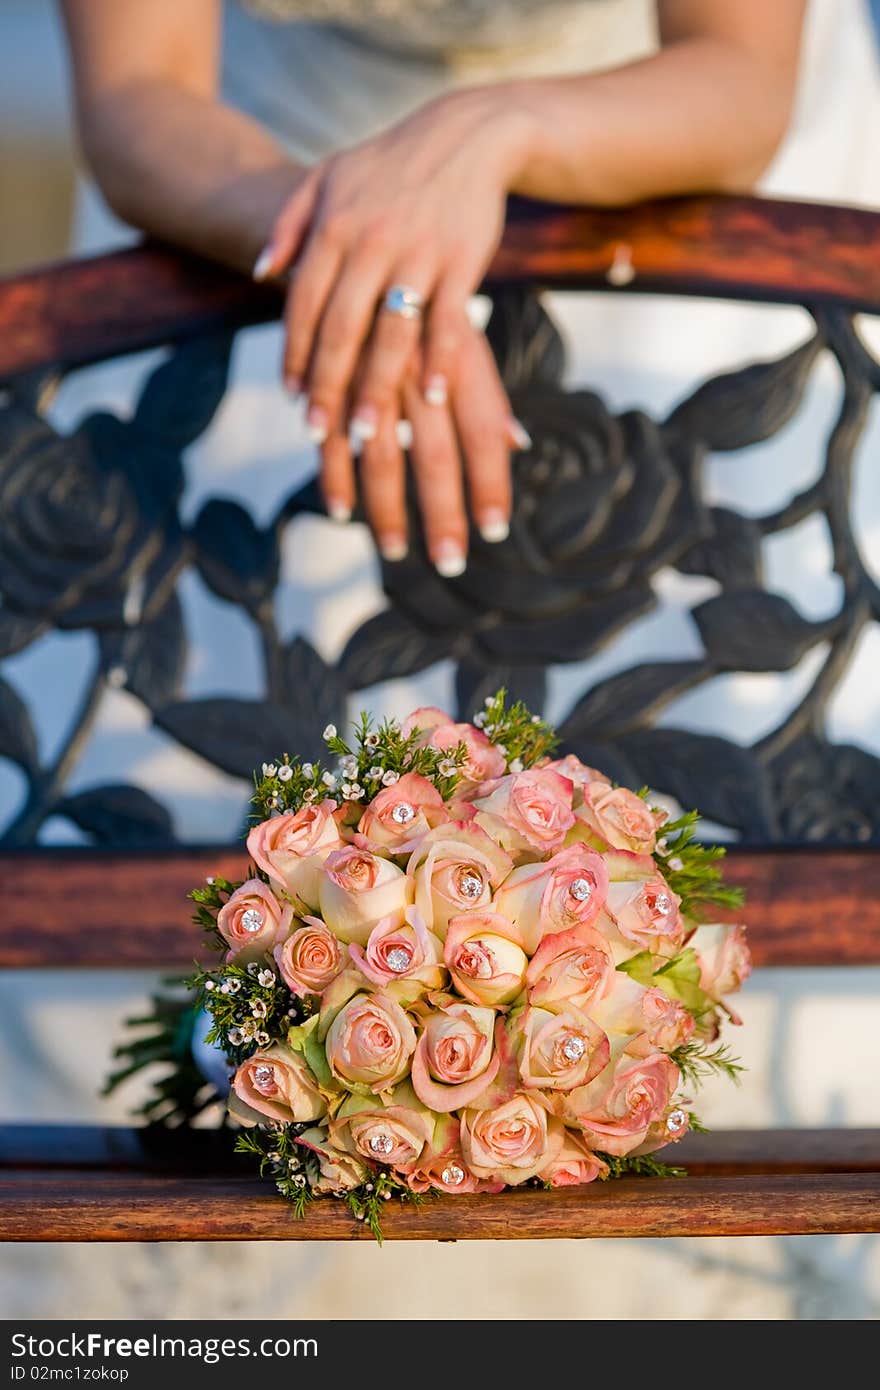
(403, 300)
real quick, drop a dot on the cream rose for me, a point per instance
(442, 1166)
(454, 870)
(276, 1083)
(395, 1131)
(311, 958)
(357, 889)
(370, 1042)
(484, 762)
(485, 957)
(528, 811)
(651, 1018)
(574, 1164)
(557, 1051)
(512, 1142)
(643, 906)
(292, 848)
(578, 773)
(725, 960)
(455, 1059)
(339, 1171)
(618, 819)
(402, 814)
(566, 891)
(252, 920)
(617, 1109)
(406, 959)
(575, 967)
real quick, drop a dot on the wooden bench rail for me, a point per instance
(104, 908)
(732, 247)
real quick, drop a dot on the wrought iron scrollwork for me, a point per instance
(92, 538)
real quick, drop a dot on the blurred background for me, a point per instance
(56, 1031)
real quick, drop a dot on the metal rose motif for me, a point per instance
(91, 537)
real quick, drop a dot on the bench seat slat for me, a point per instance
(111, 909)
(77, 1205)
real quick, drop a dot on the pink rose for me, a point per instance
(617, 1109)
(574, 1164)
(651, 1018)
(311, 958)
(725, 960)
(442, 1167)
(512, 1142)
(577, 773)
(252, 920)
(426, 719)
(400, 815)
(455, 1059)
(276, 1083)
(575, 967)
(370, 1042)
(558, 1051)
(485, 957)
(339, 1171)
(405, 955)
(484, 762)
(618, 819)
(292, 848)
(453, 870)
(394, 1131)
(528, 811)
(357, 889)
(644, 908)
(566, 891)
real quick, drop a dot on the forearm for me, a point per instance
(700, 116)
(187, 169)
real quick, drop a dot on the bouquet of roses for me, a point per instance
(460, 965)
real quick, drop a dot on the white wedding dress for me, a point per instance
(325, 73)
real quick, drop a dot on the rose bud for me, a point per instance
(484, 763)
(454, 870)
(577, 773)
(651, 1018)
(406, 960)
(575, 967)
(455, 1059)
(617, 1109)
(725, 961)
(311, 958)
(643, 906)
(401, 814)
(292, 848)
(442, 1167)
(277, 1083)
(394, 1131)
(615, 818)
(574, 1164)
(357, 889)
(484, 956)
(557, 1051)
(528, 811)
(252, 920)
(512, 1142)
(370, 1042)
(339, 1171)
(566, 891)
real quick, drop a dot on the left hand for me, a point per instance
(421, 205)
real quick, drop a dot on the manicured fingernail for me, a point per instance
(293, 384)
(436, 390)
(338, 511)
(450, 560)
(494, 526)
(263, 264)
(519, 435)
(316, 424)
(365, 423)
(404, 432)
(393, 548)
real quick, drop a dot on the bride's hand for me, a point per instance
(422, 206)
(468, 431)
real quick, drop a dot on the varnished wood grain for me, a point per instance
(749, 248)
(73, 1205)
(101, 908)
(204, 1152)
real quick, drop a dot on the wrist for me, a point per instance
(502, 127)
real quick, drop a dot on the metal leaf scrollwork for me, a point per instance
(93, 539)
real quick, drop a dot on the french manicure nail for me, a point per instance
(365, 423)
(338, 511)
(316, 424)
(519, 435)
(293, 384)
(494, 526)
(393, 548)
(436, 390)
(450, 560)
(404, 433)
(263, 264)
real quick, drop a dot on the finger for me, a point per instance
(394, 340)
(383, 484)
(288, 231)
(337, 477)
(437, 469)
(310, 285)
(483, 420)
(445, 333)
(345, 324)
